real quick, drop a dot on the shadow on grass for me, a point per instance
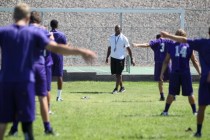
(156, 115)
(91, 92)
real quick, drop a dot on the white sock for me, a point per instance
(59, 93)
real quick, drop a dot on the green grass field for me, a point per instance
(132, 115)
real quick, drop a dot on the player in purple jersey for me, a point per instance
(180, 54)
(160, 47)
(202, 46)
(57, 67)
(41, 79)
(17, 90)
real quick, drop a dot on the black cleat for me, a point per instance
(114, 91)
(122, 89)
(197, 135)
(50, 132)
(162, 98)
(12, 133)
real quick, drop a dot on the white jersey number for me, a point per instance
(182, 52)
(162, 45)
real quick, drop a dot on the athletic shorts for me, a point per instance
(117, 66)
(49, 77)
(157, 72)
(204, 91)
(178, 80)
(41, 82)
(17, 101)
(57, 67)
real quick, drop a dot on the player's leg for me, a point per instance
(59, 85)
(27, 129)
(49, 80)
(14, 129)
(187, 90)
(25, 99)
(120, 68)
(200, 118)
(113, 67)
(157, 71)
(174, 89)
(2, 130)
(191, 100)
(203, 101)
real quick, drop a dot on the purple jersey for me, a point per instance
(203, 48)
(180, 54)
(18, 44)
(59, 38)
(160, 47)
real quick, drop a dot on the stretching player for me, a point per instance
(202, 47)
(160, 47)
(17, 93)
(180, 54)
(57, 67)
(40, 78)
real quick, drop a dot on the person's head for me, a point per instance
(35, 17)
(21, 12)
(54, 24)
(181, 32)
(158, 36)
(117, 29)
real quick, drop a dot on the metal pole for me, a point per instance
(121, 20)
(182, 20)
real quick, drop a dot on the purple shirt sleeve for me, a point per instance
(154, 44)
(196, 44)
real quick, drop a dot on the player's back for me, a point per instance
(17, 44)
(160, 48)
(180, 54)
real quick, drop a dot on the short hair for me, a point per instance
(181, 32)
(21, 11)
(35, 17)
(54, 24)
(158, 36)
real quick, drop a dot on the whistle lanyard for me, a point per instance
(116, 40)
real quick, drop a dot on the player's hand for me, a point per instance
(161, 77)
(164, 34)
(133, 62)
(134, 45)
(89, 56)
(107, 60)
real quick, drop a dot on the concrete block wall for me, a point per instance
(91, 30)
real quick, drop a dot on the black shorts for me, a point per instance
(117, 66)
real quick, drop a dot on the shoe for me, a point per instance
(114, 91)
(13, 132)
(162, 98)
(50, 132)
(122, 89)
(195, 113)
(197, 135)
(50, 112)
(164, 114)
(58, 99)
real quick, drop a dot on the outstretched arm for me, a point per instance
(164, 66)
(87, 55)
(144, 45)
(195, 63)
(176, 38)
